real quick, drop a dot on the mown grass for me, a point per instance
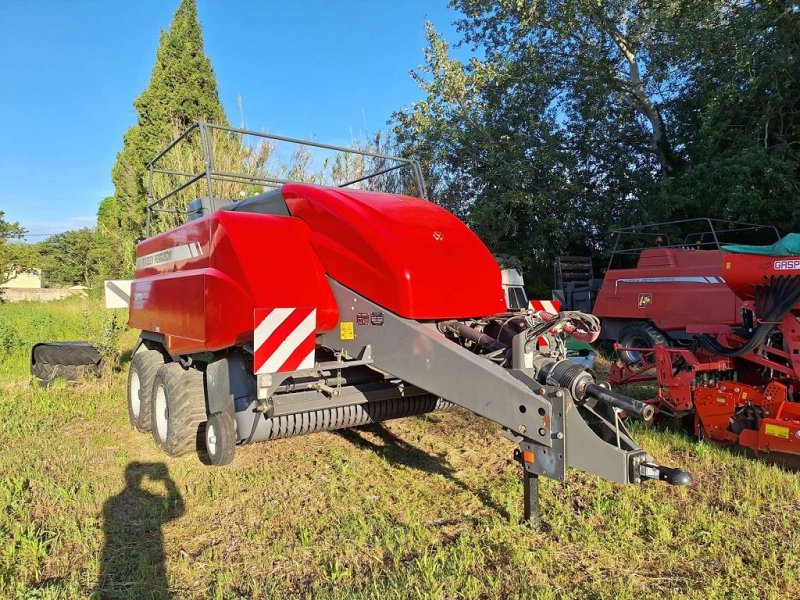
(419, 508)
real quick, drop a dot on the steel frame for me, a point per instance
(714, 228)
(211, 174)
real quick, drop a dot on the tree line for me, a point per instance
(572, 117)
(543, 125)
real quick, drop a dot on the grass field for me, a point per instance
(423, 507)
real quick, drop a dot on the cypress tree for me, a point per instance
(182, 88)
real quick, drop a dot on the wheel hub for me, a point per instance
(161, 410)
(211, 440)
(135, 388)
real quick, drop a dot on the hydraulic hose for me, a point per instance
(783, 295)
(475, 336)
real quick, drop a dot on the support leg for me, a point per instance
(530, 488)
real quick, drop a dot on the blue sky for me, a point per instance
(71, 69)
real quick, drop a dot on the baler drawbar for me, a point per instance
(308, 308)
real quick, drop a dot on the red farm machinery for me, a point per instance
(306, 308)
(716, 324)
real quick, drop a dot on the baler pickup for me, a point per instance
(310, 308)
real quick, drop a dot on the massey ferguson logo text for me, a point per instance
(787, 264)
(158, 258)
(170, 255)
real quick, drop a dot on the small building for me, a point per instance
(25, 280)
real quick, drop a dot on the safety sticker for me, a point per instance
(346, 331)
(376, 318)
(362, 319)
(776, 431)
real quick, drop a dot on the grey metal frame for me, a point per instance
(541, 418)
(211, 174)
(419, 354)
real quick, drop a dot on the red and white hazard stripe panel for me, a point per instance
(550, 306)
(284, 339)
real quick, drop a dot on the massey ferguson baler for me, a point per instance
(309, 308)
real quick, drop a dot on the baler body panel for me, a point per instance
(199, 284)
(671, 287)
(407, 255)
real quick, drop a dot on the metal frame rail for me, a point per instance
(653, 230)
(211, 174)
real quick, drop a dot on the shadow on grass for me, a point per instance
(133, 562)
(399, 451)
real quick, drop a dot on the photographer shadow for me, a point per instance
(133, 563)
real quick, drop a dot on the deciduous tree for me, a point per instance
(10, 256)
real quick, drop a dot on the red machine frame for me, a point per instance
(727, 398)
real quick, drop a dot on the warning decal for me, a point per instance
(346, 331)
(284, 339)
(776, 431)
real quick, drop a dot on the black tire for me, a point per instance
(141, 374)
(178, 409)
(220, 438)
(47, 373)
(639, 334)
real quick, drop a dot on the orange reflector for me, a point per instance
(528, 457)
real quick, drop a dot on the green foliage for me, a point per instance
(10, 340)
(71, 258)
(735, 112)
(491, 136)
(10, 255)
(108, 340)
(182, 88)
(574, 116)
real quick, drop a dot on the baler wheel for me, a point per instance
(179, 408)
(220, 438)
(639, 334)
(141, 374)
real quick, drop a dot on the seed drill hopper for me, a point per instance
(308, 308)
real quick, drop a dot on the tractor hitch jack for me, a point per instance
(530, 491)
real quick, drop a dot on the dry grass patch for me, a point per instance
(423, 507)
